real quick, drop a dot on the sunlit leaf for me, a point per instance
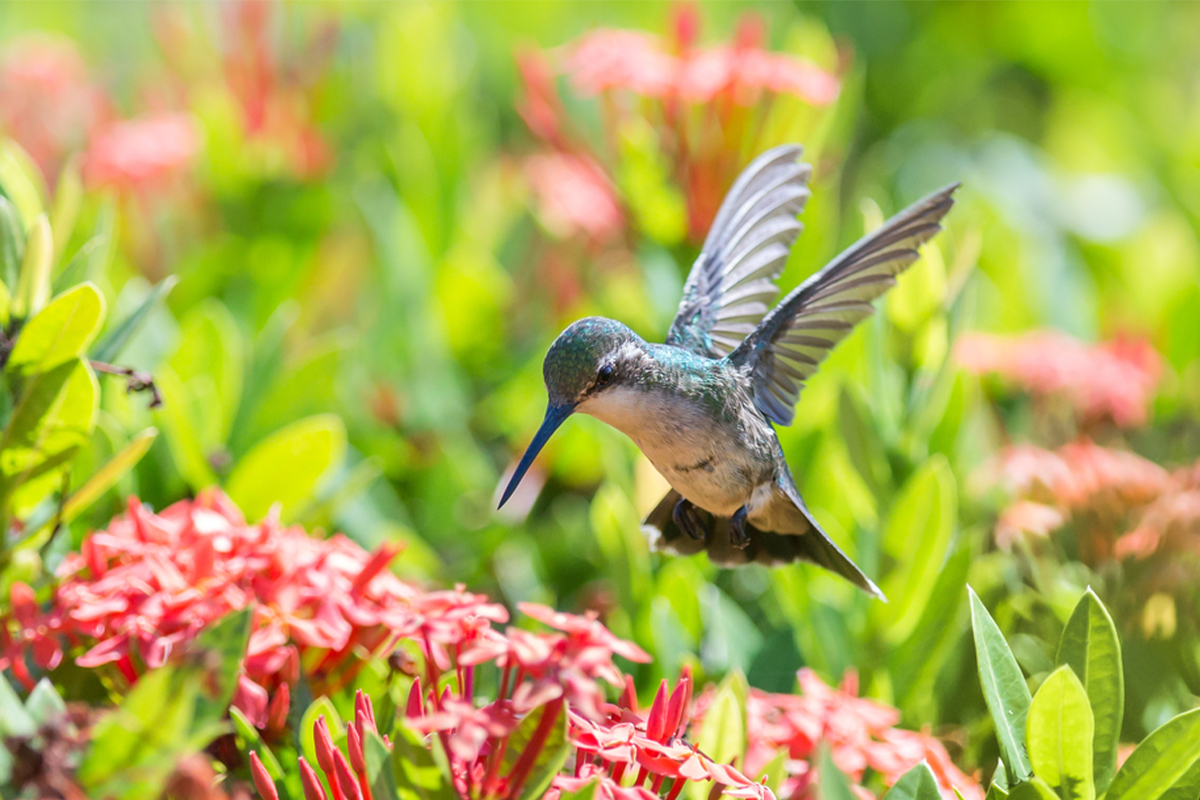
(916, 784)
(33, 284)
(832, 783)
(15, 719)
(1089, 646)
(1058, 736)
(418, 775)
(285, 467)
(722, 735)
(60, 332)
(254, 743)
(1004, 688)
(1033, 789)
(381, 771)
(225, 640)
(44, 703)
(550, 758)
(1165, 765)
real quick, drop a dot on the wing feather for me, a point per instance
(732, 283)
(791, 341)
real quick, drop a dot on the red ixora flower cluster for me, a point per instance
(859, 732)
(150, 583)
(1131, 507)
(1114, 380)
(51, 107)
(706, 105)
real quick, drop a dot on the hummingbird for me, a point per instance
(702, 406)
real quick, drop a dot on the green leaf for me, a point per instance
(12, 244)
(722, 735)
(110, 347)
(588, 792)
(226, 640)
(832, 784)
(320, 707)
(21, 180)
(183, 436)
(1165, 765)
(418, 775)
(285, 467)
(918, 533)
(1004, 688)
(916, 784)
(1089, 646)
(254, 743)
(1058, 734)
(550, 758)
(68, 197)
(209, 362)
(60, 332)
(381, 773)
(15, 719)
(994, 792)
(53, 419)
(1035, 789)
(44, 703)
(96, 485)
(33, 284)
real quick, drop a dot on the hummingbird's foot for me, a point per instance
(737, 529)
(688, 521)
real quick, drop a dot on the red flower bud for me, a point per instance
(323, 744)
(262, 781)
(415, 707)
(345, 778)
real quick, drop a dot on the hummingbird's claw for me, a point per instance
(688, 521)
(737, 529)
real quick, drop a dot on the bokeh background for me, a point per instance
(373, 219)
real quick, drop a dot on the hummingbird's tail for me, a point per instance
(765, 547)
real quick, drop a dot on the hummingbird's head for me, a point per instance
(587, 359)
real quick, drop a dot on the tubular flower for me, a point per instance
(1114, 380)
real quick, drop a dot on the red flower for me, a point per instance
(48, 104)
(1115, 379)
(141, 152)
(574, 196)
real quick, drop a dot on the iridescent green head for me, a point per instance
(590, 356)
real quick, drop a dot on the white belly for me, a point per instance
(707, 463)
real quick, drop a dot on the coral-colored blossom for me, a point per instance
(138, 153)
(574, 196)
(149, 584)
(1113, 380)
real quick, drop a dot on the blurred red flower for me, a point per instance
(574, 196)
(1114, 380)
(150, 583)
(140, 153)
(48, 103)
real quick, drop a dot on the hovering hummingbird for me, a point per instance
(701, 405)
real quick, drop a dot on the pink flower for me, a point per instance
(140, 152)
(47, 101)
(1113, 380)
(574, 196)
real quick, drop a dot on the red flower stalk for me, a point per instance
(1113, 380)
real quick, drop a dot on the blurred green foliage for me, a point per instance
(355, 339)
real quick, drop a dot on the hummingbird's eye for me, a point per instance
(604, 375)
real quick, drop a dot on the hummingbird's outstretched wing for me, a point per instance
(789, 344)
(732, 283)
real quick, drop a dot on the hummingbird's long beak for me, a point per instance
(554, 417)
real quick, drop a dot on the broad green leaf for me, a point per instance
(722, 735)
(588, 792)
(550, 758)
(209, 363)
(381, 773)
(33, 284)
(994, 792)
(253, 740)
(1165, 765)
(226, 640)
(1058, 735)
(15, 719)
(1034, 789)
(285, 467)
(96, 485)
(418, 775)
(1004, 688)
(60, 332)
(1089, 646)
(916, 784)
(53, 419)
(12, 244)
(774, 772)
(110, 347)
(21, 180)
(44, 703)
(68, 197)
(832, 783)
(919, 528)
(182, 436)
